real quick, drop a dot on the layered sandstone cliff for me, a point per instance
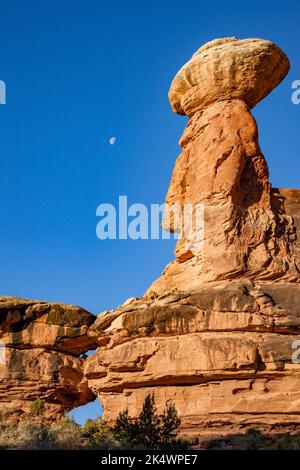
(222, 354)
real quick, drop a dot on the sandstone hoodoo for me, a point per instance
(214, 333)
(248, 229)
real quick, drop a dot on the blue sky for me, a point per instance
(79, 72)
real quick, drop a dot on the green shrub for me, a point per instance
(288, 443)
(253, 438)
(37, 407)
(68, 434)
(99, 434)
(90, 427)
(149, 430)
(214, 444)
(65, 434)
(34, 436)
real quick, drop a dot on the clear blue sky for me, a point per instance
(79, 72)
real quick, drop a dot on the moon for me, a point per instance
(112, 140)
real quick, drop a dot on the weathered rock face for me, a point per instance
(41, 345)
(215, 333)
(228, 68)
(248, 229)
(222, 354)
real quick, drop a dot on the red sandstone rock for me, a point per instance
(42, 343)
(248, 229)
(215, 332)
(228, 68)
(222, 354)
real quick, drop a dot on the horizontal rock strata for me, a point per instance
(222, 354)
(40, 347)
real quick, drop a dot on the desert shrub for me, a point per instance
(8, 436)
(37, 407)
(90, 427)
(68, 435)
(170, 424)
(253, 438)
(34, 436)
(149, 430)
(99, 435)
(288, 442)
(214, 444)
(127, 430)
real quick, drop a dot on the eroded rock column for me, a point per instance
(247, 230)
(215, 333)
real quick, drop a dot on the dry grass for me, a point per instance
(27, 435)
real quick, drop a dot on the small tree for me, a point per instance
(98, 433)
(149, 429)
(149, 423)
(90, 427)
(126, 429)
(170, 424)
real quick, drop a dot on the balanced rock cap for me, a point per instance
(246, 69)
